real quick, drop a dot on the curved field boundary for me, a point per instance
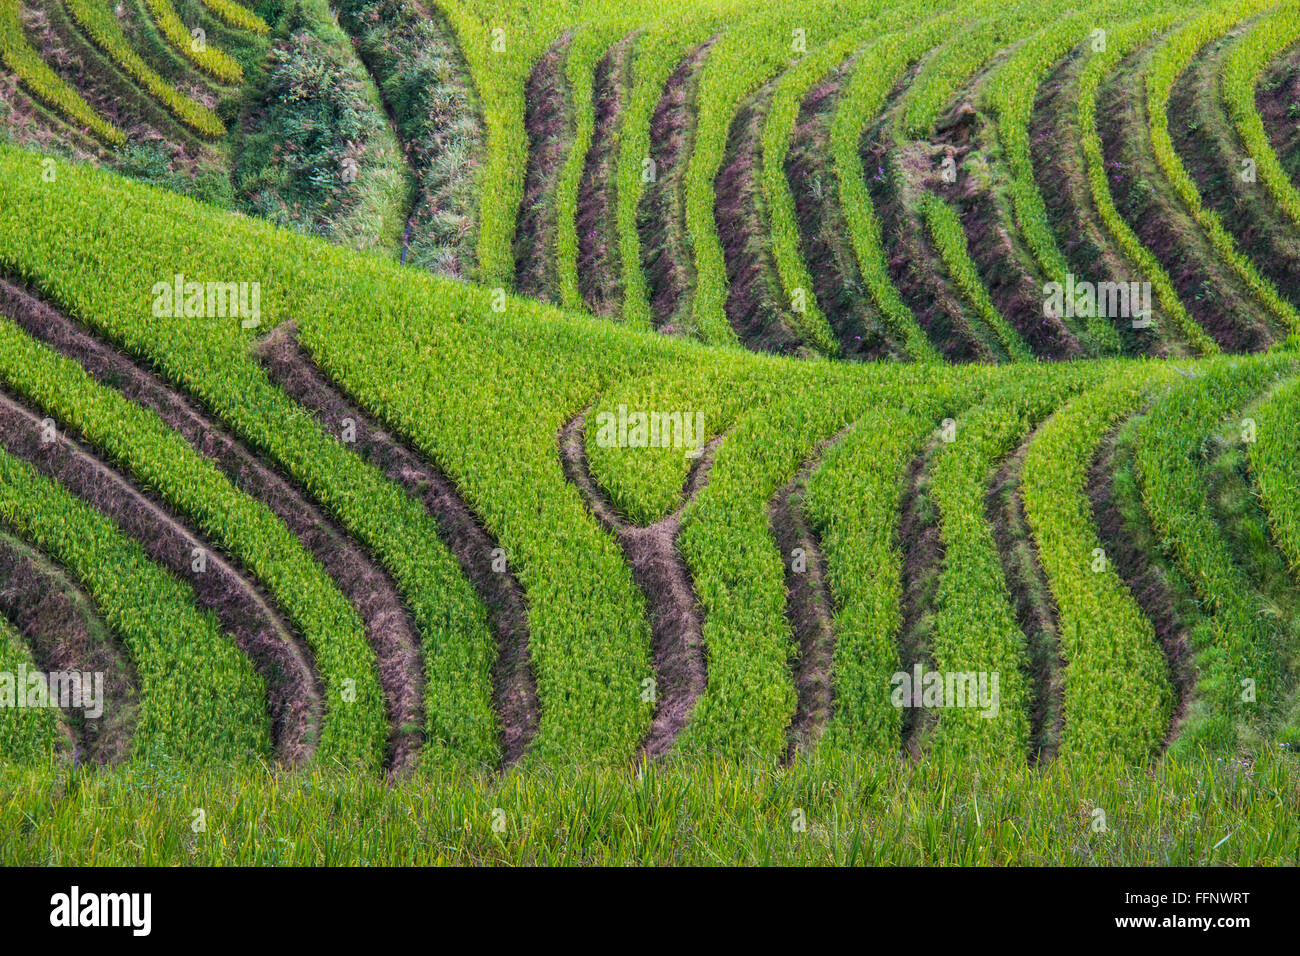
(43, 83)
(661, 51)
(238, 15)
(1250, 56)
(1167, 65)
(476, 551)
(28, 734)
(807, 604)
(354, 730)
(1240, 644)
(975, 625)
(745, 58)
(778, 133)
(388, 628)
(200, 698)
(645, 484)
(949, 238)
(63, 631)
(955, 70)
(588, 47)
(853, 504)
(210, 60)
(501, 46)
(739, 573)
(1119, 44)
(1277, 469)
(681, 672)
(1010, 95)
(1110, 647)
(419, 72)
(99, 24)
(877, 71)
(547, 122)
(292, 696)
(492, 428)
(969, 51)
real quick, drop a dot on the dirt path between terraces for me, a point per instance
(294, 698)
(549, 136)
(389, 629)
(1067, 197)
(923, 559)
(1144, 579)
(755, 304)
(596, 223)
(1032, 600)
(808, 605)
(64, 632)
(514, 687)
(676, 619)
(661, 223)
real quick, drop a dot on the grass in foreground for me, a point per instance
(1185, 811)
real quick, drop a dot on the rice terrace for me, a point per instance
(616, 432)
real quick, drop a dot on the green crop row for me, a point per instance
(355, 730)
(967, 53)
(875, 73)
(746, 57)
(31, 734)
(211, 359)
(1240, 682)
(1267, 39)
(1167, 65)
(1119, 44)
(1010, 95)
(659, 50)
(238, 15)
(975, 626)
(949, 239)
(210, 60)
(706, 812)
(853, 503)
(200, 698)
(778, 131)
(43, 83)
(102, 27)
(1117, 696)
(1277, 468)
(646, 483)
(585, 51)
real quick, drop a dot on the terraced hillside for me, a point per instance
(649, 424)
